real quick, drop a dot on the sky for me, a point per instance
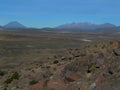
(51, 13)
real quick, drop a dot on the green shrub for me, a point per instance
(15, 75)
(48, 67)
(83, 54)
(8, 81)
(33, 82)
(2, 73)
(56, 62)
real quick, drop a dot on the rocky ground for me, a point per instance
(94, 67)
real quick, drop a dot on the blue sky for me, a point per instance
(50, 13)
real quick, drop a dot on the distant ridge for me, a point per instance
(107, 25)
(68, 27)
(1, 28)
(85, 25)
(14, 24)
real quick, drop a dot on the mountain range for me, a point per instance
(85, 25)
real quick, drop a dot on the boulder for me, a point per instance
(71, 76)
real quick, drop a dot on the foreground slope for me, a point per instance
(94, 67)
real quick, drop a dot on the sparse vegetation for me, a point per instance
(15, 75)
